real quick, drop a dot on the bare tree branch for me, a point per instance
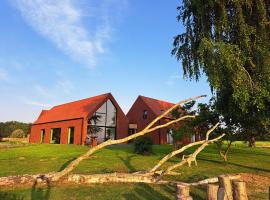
(56, 176)
(171, 109)
(174, 153)
(193, 156)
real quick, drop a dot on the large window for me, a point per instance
(102, 124)
(55, 135)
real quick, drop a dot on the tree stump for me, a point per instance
(239, 190)
(212, 192)
(225, 188)
(182, 192)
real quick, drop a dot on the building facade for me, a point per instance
(76, 122)
(101, 117)
(145, 110)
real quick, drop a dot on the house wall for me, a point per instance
(135, 116)
(64, 125)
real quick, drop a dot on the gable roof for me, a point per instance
(157, 106)
(73, 110)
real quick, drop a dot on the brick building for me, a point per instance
(73, 122)
(102, 118)
(145, 110)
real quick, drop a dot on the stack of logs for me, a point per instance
(229, 188)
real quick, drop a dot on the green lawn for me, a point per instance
(35, 159)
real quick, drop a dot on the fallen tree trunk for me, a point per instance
(29, 180)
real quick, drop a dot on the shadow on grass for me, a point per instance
(143, 192)
(42, 192)
(198, 193)
(235, 164)
(10, 196)
(66, 164)
(127, 162)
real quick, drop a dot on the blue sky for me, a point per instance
(52, 52)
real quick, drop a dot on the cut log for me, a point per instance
(182, 192)
(239, 190)
(225, 188)
(212, 192)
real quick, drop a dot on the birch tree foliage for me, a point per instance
(228, 41)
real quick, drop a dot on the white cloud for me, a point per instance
(65, 86)
(172, 80)
(43, 92)
(39, 104)
(61, 22)
(3, 75)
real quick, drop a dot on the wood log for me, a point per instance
(212, 191)
(112, 178)
(182, 192)
(225, 188)
(239, 190)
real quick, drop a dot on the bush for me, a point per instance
(143, 145)
(18, 133)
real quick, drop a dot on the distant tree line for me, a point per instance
(7, 128)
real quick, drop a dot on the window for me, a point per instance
(102, 124)
(55, 135)
(193, 139)
(145, 114)
(71, 135)
(169, 136)
(42, 135)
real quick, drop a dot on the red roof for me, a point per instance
(157, 106)
(73, 110)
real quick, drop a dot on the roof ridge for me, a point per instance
(81, 100)
(160, 100)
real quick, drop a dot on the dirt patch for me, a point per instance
(258, 182)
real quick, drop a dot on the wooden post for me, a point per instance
(212, 191)
(239, 190)
(182, 192)
(225, 188)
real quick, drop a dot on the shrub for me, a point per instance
(18, 133)
(143, 145)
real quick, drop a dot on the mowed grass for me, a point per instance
(35, 159)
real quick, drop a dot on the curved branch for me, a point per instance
(193, 156)
(56, 176)
(171, 109)
(172, 154)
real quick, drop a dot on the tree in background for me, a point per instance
(6, 128)
(18, 133)
(229, 42)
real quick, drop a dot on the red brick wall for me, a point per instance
(135, 116)
(64, 125)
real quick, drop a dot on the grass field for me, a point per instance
(35, 159)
